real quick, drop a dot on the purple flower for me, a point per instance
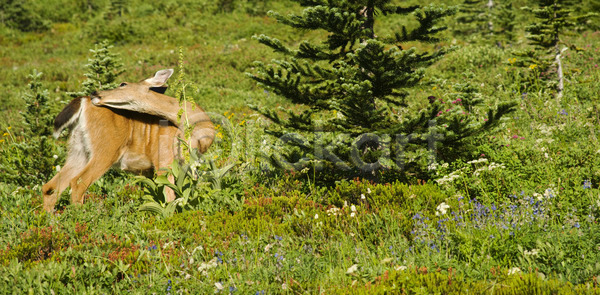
(587, 184)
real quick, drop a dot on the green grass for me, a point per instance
(535, 209)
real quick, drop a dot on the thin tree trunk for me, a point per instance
(490, 5)
(559, 71)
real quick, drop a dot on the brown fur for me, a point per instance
(101, 137)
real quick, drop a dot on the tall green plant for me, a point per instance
(190, 193)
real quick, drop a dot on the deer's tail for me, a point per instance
(68, 116)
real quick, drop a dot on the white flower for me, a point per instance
(441, 208)
(448, 178)
(55, 157)
(546, 155)
(57, 168)
(353, 208)
(537, 196)
(352, 214)
(333, 210)
(204, 266)
(533, 252)
(362, 196)
(514, 270)
(432, 166)
(219, 286)
(368, 191)
(481, 160)
(316, 216)
(352, 269)
(401, 267)
(268, 247)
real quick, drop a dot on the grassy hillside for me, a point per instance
(517, 214)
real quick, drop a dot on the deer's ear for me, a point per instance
(160, 78)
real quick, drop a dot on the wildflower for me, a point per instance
(368, 192)
(533, 66)
(362, 196)
(352, 269)
(401, 267)
(587, 184)
(316, 216)
(563, 112)
(514, 270)
(278, 238)
(219, 286)
(232, 289)
(533, 252)
(5, 134)
(333, 210)
(441, 209)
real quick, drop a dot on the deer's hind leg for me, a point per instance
(53, 188)
(93, 170)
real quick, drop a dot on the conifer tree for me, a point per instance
(475, 17)
(505, 22)
(486, 20)
(103, 68)
(355, 82)
(553, 18)
(31, 160)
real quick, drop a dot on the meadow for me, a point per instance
(516, 214)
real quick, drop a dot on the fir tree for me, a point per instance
(102, 70)
(475, 17)
(504, 27)
(553, 18)
(355, 83)
(31, 161)
(486, 20)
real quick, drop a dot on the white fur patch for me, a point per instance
(71, 121)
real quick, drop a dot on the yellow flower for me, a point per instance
(9, 127)
(5, 134)
(512, 60)
(242, 123)
(434, 88)
(533, 66)
(1, 140)
(220, 135)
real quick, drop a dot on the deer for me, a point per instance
(134, 127)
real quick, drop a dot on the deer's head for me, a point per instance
(140, 96)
